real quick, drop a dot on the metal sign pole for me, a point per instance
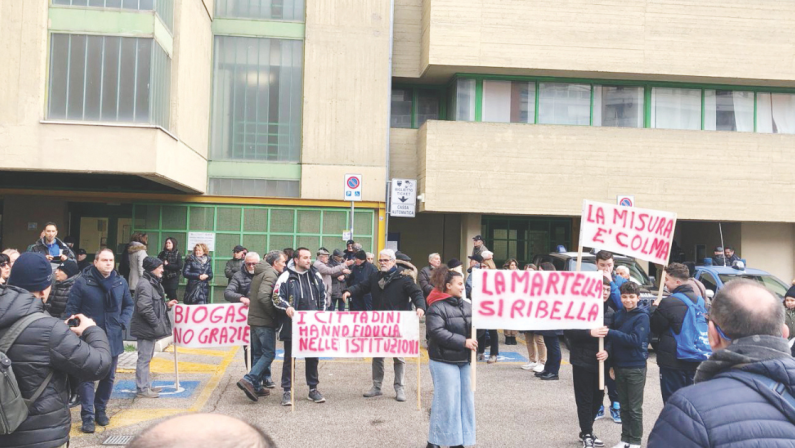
(388, 209)
(352, 219)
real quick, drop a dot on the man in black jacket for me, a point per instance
(47, 351)
(424, 277)
(393, 289)
(361, 272)
(667, 316)
(51, 247)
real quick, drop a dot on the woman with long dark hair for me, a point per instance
(198, 271)
(172, 267)
(450, 344)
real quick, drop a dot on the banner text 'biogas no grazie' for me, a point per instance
(221, 325)
(536, 300)
(637, 232)
(356, 334)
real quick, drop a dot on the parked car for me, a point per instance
(714, 277)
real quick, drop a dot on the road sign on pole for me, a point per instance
(403, 198)
(353, 187)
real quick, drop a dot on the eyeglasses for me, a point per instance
(721, 333)
(3, 264)
(251, 264)
(384, 260)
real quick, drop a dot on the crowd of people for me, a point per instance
(67, 320)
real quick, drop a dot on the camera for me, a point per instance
(74, 322)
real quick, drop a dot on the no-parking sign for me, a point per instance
(625, 201)
(353, 187)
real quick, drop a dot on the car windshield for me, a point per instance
(636, 273)
(773, 284)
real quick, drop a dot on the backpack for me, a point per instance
(692, 342)
(13, 408)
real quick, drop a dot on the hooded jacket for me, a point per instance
(41, 247)
(392, 291)
(669, 317)
(136, 253)
(303, 292)
(448, 325)
(107, 301)
(261, 311)
(56, 303)
(48, 345)
(729, 410)
(238, 287)
(409, 269)
(627, 341)
(150, 317)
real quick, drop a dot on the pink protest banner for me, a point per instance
(536, 300)
(637, 232)
(221, 325)
(356, 334)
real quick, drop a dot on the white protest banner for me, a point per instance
(536, 300)
(356, 334)
(637, 232)
(221, 325)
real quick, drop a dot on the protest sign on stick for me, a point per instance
(356, 334)
(211, 325)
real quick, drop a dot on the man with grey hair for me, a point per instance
(393, 289)
(743, 396)
(424, 278)
(370, 258)
(263, 320)
(238, 289)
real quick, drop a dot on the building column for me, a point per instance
(768, 246)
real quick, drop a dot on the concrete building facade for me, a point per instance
(240, 118)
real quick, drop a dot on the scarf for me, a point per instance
(743, 351)
(172, 257)
(436, 296)
(387, 277)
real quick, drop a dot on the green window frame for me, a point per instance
(647, 86)
(255, 227)
(415, 91)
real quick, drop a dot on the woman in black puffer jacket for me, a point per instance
(65, 276)
(172, 265)
(450, 346)
(198, 271)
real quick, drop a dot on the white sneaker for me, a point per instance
(634, 446)
(622, 445)
(538, 368)
(529, 365)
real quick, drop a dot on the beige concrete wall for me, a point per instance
(549, 170)
(18, 211)
(327, 181)
(768, 246)
(28, 144)
(407, 39)
(191, 70)
(708, 38)
(403, 153)
(428, 233)
(346, 92)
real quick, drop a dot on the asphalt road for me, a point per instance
(513, 408)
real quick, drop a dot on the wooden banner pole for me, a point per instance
(419, 379)
(292, 382)
(474, 362)
(176, 369)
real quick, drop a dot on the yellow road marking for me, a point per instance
(197, 351)
(165, 365)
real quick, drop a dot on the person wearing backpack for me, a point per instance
(38, 360)
(743, 396)
(681, 325)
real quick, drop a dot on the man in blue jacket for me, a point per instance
(743, 396)
(605, 264)
(361, 273)
(103, 295)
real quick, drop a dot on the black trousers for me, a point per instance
(287, 369)
(494, 350)
(587, 396)
(672, 380)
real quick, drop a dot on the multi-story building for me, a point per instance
(240, 118)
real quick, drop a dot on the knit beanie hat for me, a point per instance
(790, 293)
(31, 272)
(361, 255)
(152, 263)
(69, 267)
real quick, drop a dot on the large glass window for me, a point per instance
(465, 100)
(108, 78)
(509, 101)
(673, 108)
(163, 8)
(728, 110)
(427, 106)
(775, 113)
(256, 105)
(618, 106)
(524, 238)
(560, 103)
(261, 9)
(401, 108)
(254, 187)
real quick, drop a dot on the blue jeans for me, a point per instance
(92, 401)
(263, 351)
(553, 354)
(453, 409)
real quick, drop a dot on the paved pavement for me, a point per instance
(514, 409)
